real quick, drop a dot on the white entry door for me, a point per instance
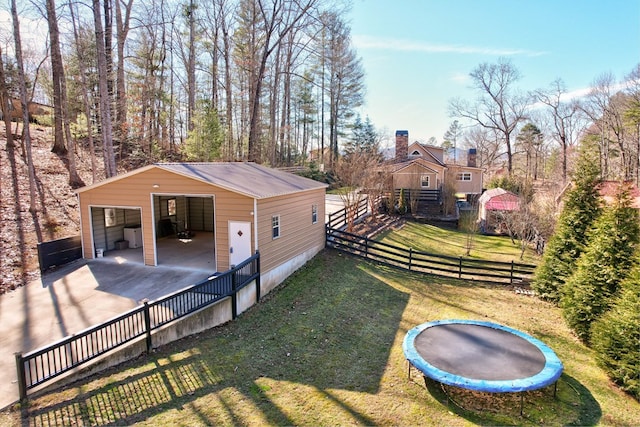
(239, 242)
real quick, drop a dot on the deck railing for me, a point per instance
(42, 365)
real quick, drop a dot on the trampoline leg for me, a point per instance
(521, 402)
(408, 369)
(555, 389)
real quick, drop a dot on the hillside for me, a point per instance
(57, 213)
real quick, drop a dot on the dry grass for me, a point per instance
(325, 348)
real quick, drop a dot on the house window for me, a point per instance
(314, 214)
(275, 226)
(110, 217)
(424, 181)
(463, 176)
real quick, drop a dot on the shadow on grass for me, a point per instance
(321, 332)
(572, 404)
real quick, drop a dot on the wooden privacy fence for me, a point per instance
(422, 262)
(40, 366)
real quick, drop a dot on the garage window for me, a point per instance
(275, 226)
(314, 214)
(110, 217)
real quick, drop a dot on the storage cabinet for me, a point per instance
(134, 236)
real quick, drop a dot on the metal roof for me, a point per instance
(250, 179)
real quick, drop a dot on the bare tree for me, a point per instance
(565, 118)
(84, 87)
(498, 107)
(277, 19)
(353, 173)
(22, 85)
(105, 99)
(62, 128)
(605, 110)
(5, 104)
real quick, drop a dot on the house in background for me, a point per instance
(421, 167)
(491, 204)
(231, 209)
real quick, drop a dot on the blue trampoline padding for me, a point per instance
(549, 371)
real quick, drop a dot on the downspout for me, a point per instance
(255, 224)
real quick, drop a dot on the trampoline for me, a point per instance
(481, 356)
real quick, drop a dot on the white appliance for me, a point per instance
(134, 236)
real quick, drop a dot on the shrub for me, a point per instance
(616, 337)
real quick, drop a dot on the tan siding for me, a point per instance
(409, 177)
(297, 233)
(136, 190)
(469, 187)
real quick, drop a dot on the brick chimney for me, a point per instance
(471, 158)
(402, 145)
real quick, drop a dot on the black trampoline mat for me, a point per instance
(479, 352)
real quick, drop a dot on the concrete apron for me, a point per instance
(73, 298)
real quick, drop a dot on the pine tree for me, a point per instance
(205, 140)
(616, 336)
(582, 207)
(606, 262)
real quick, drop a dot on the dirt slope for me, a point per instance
(57, 213)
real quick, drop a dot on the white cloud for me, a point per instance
(372, 42)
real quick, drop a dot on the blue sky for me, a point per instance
(417, 54)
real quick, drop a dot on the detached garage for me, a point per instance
(228, 210)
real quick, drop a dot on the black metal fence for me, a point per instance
(440, 265)
(40, 366)
(339, 219)
(59, 252)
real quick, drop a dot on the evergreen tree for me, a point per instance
(204, 141)
(606, 262)
(582, 207)
(364, 138)
(616, 337)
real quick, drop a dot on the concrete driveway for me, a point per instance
(73, 298)
(85, 293)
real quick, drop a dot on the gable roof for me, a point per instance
(249, 179)
(425, 164)
(499, 199)
(425, 148)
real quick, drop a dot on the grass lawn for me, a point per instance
(446, 241)
(325, 348)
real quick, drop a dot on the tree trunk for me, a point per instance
(57, 74)
(122, 25)
(105, 99)
(85, 97)
(5, 102)
(25, 108)
(60, 92)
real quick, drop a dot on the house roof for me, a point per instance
(397, 167)
(250, 179)
(425, 148)
(499, 199)
(609, 189)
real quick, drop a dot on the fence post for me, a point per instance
(511, 278)
(234, 297)
(410, 257)
(366, 247)
(460, 268)
(147, 323)
(22, 381)
(258, 277)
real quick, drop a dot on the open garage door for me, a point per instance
(185, 231)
